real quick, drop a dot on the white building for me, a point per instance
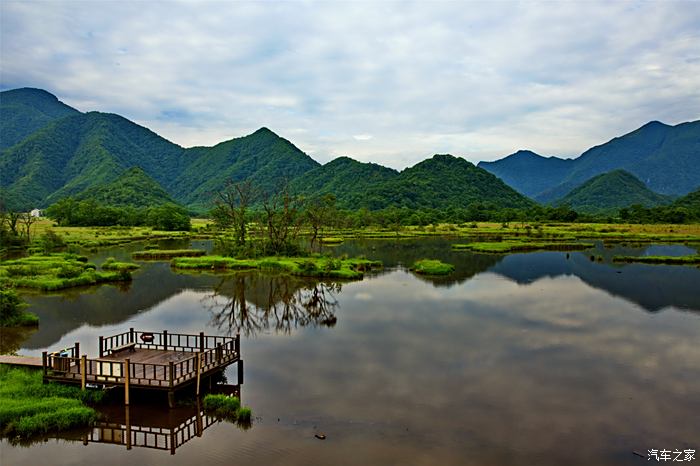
(35, 213)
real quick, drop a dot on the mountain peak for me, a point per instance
(264, 131)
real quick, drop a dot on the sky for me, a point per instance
(384, 82)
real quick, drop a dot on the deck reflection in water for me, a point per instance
(156, 427)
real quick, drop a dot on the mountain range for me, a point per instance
(51, 150)
(666, 158)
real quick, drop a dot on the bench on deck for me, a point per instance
(129, 346)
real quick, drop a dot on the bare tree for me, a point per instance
(26, 219)
(231, 208)
(282, 219)
(320, 212)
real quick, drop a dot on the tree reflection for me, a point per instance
(249, 303)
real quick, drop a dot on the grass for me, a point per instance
(521, 246)
(302, 266)
(166, 254)
(12, 313)
(432, 267)
(677, 260)
(111, 264)
(28, 407)
(228, 408)
(54, 272)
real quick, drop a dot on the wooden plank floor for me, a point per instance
(25, 361)
(150, 356)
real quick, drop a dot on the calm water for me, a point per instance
(543, 358)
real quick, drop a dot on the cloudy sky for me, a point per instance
(387, 82)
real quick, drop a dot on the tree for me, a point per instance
(282, 220)
(231, 208)
(320, 212)
(26, 219)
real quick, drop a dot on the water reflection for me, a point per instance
(12, 339)
(249, 303)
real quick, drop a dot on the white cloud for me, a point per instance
(385, 82)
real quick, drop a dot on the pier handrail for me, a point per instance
(162, 341)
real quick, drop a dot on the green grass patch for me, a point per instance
(229, 408)
(432, 267)
(54, 272)
(332, 240)
(522, 246)
(673, 260)
(111, 264)
(12, 313)
(325, 267)
(28, 407)
(166, 254)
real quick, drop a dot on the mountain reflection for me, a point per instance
(253, 303)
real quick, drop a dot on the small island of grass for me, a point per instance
(229, 408)
(303, 266)
(500, 247)
(112, 264)
(28, 407)
(670, 260)
(166, 254)
(432, 267)
(54, 272)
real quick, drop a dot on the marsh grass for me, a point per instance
(111, 264)
(432, 267)
(674, 260)
(303, 266)
(54, 272)
(228, 408)
(522, 246)
(166, 254)
(28, 407)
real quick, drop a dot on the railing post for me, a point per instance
(83, 372)
(171, 368)
(201, 342)
(165, 340)
(127, 380)
(199, 371)
(101, 343)
(44, 361)
(237, 344)
(76, 350)
(131, 335)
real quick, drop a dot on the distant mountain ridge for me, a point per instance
(611, 191)
(51, 151)
(666, 158)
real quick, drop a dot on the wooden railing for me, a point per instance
(217, 352)
(165, 341)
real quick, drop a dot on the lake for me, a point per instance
(544, 358)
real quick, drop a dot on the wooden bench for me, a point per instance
(129, 346)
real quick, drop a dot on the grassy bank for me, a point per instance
(521, 246)
(54, 272)
(302, 266)
(12, 313)
(166, 254)
(111, 264)
(674, 260)
(29, 408)
(432, 267)
(227, 407)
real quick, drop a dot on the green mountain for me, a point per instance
(666, 158)
(344, 177)
(529, 173)
(611, 191)
(690, 201)
(27, 110)
(443, 181)
(77, 152)
(132, 188)
(263, 157)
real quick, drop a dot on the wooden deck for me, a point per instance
(25, 361)
(166, 361)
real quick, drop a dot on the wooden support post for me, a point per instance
(76, 351)
(172, 444)
(127, 381)
(238, 345)
(101, 343)
(128, 427)
(165, 340)
(240, 372)
(83, 372)
(44, 361)
(171, 373)
(201, 342)
(199, 371)
(171, 399)
(131, 335)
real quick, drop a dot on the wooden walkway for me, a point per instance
(24, 361)
(165, 361)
